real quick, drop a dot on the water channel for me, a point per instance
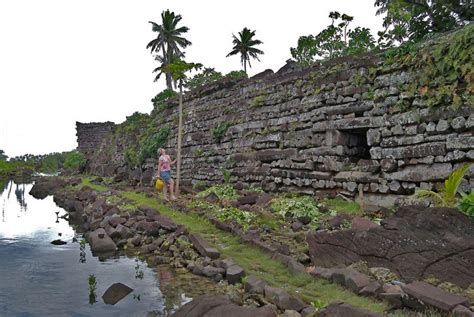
(38, 278)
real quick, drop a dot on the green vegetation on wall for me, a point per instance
(219, 131)
(75, 160)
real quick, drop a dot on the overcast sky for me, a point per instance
(64, 61)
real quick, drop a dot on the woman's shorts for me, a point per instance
(165, 176)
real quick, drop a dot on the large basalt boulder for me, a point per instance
(100, 241)
(46, 186)
(115, 293)
(415, 243)
(218, 306)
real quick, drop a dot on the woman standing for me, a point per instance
(164, 172)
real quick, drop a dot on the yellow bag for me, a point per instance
(159, 184)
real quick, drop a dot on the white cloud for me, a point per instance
(66, 61)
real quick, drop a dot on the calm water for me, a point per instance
(38, 278)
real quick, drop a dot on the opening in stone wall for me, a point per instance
(357, 142)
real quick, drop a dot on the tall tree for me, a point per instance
(3, 156)
(178, 71)
(169, 41)
(414, 19)
(245, 46)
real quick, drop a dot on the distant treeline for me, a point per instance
(45, 163)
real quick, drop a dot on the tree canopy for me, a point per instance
(169, 41)
(245, 46)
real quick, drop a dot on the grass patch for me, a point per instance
(257, 262)
(341, 205)
(87, 181)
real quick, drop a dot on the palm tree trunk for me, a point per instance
(169, 81)
(245, 65)
(166, 60)
(180, 136)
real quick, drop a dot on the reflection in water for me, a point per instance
(20, 196)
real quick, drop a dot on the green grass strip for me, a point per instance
(258, 263)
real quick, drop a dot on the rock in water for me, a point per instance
(115, 293)
(100, 241)
(58, 242)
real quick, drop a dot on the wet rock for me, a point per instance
(115, 293)
(282, 299)
(341, 309)
(100, 241)
(416, 242)
(202, 247)
(433, 296)
(58, 242)
(218, 306)
(157, 260)
(46, 186)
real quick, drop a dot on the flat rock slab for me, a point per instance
(202, 247)
(345, 310)
(433, 296)
(415, 243)
(218, 306)
(115, 293)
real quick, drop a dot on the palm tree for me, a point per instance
(178, 70)
(169, 41)
(245, 46)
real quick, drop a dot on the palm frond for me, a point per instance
(451, 185)
(437, 198)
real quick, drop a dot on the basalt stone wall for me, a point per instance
(350, 125)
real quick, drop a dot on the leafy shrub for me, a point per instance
(160, 100)
(258, 101)
(226, 192)
(226, 174)
(244, 218)
(219, 131)
(75, 160)
(207, 76)
(466, 203)
(150, 145)
(237, 74)
(297, 207)
(131, 156)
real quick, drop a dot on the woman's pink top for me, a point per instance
(165, 163)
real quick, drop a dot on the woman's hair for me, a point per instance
(159, 150)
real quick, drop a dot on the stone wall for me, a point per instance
(351, 125)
